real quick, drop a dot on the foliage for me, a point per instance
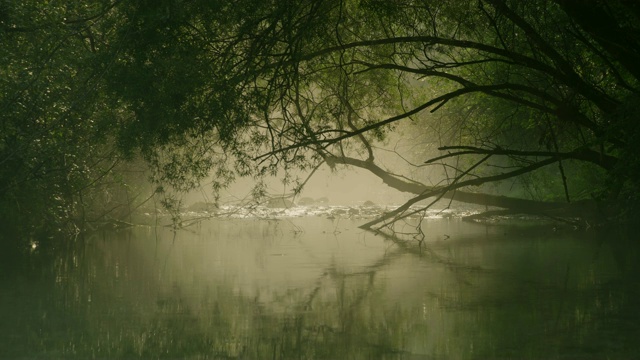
(56, 143)
(259, 88)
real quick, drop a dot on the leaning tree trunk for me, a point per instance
(584, 209)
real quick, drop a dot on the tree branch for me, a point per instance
(605, 161)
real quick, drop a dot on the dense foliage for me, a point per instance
(541, 94)
(60, 166)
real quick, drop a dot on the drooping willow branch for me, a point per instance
(350, 134)
(429, 71)
(601, 100)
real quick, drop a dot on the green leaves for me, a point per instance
(257, 88)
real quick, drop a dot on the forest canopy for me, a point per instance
(439, 99)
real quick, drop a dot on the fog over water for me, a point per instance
(343, 187)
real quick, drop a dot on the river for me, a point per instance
(316, 288)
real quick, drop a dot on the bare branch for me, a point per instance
(584, 154)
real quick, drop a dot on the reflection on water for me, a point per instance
(312, 288)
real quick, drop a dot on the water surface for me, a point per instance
(317, 288)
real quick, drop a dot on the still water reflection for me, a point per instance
(313, 288)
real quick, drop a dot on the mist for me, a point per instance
(343, 186)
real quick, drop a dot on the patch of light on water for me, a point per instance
(329, 212)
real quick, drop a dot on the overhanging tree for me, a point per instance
(500, 91)
(290, 85)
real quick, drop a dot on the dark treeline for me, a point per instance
(99, 97)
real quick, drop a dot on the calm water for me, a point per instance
(313, 288)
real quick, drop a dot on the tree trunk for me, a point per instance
(584, 209)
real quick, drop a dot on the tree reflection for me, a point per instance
(128, 295)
